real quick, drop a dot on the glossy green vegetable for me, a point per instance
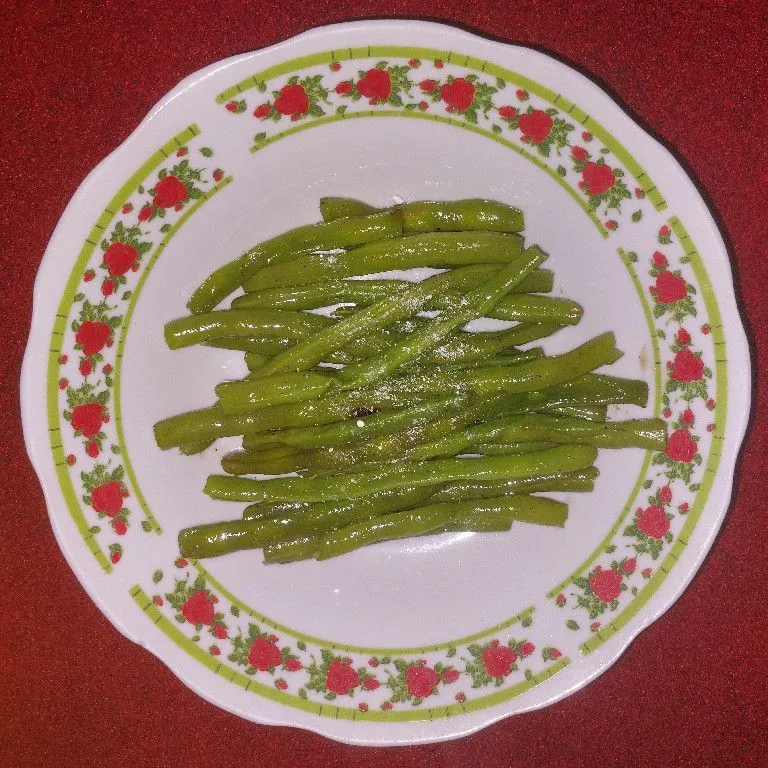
(435, 216)
(454, 316)
(443, 250)
(365, 292)
(352, 485)
(436, 517)
(343, 233)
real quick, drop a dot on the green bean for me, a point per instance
(213, 423)
(459, 348)
(366, 428)
(302, 240)
(233, 323)
(239, 396)
(599, 389)
(341, 207)
(634, 433)
(365, 292)
(434, 517)
(298, 547)
(211, 540)
(450, 249)
(476, 304)
(577, 481)
(352, 485)
(502, 449)
(257, 463)
(407, 302)
(191, 449)
(438, 216)
(589, 412)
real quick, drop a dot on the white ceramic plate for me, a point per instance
(412, 641)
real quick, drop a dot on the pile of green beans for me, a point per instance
(394, 417)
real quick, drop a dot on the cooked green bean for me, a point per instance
(437, 216)
(459, 348)
(341, 207)
(434, 517)
(352, 485)
(237, 396)
(234, 323)
(442, 250)
(406, 303)
(191, 449)
(476, 304)
(363, 428)
(211, 540)
(590, 412)
(365, 292)
(302, 240)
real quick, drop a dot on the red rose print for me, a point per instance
(214, 650)
(262, 111)
(586, 136)
(498, 660)
(92, 448)
(169, 192)
(665, 494)
(344, 87)
(629, 565)
(659, 260)
(63, 383)
(560, 599)
(683, 336)
(107, 498)
(108, 287)
(579, 154)
(521, 94)
(421, 680)
(606, 584)
(371, 683)
(413, 63)
(688, 367)
(115, 556)
(705, 329)
(666, 413)
(293, 665)
(526, 649)
(554, 653)
(680, 446)
(665, 231)
(85, 367)
(145, 213)
(428, 86)
(119, 526)
(198, 609)
(460, 697)
(341, 678)
(450, 675)
(92, 336)
(535, 125)
(459, 94)
(127, 208)
(335, 66)
(158, 601)
(362, 706)
(264, 654)
(293, 100)
(220, 632)
(180, 562)
(71, 459)
(711, 404)
(688, 417)
(423, 106)
(683, 507)
(653, 522)
(598, 178)
(439, 64)
(63, 359)
(386, 705)
(181, 152)
(230, 106)
(88, 418)
(88, 275)
(647, 573)
(507, 112)
(670, 288)
(611, 224)
(375, 84)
